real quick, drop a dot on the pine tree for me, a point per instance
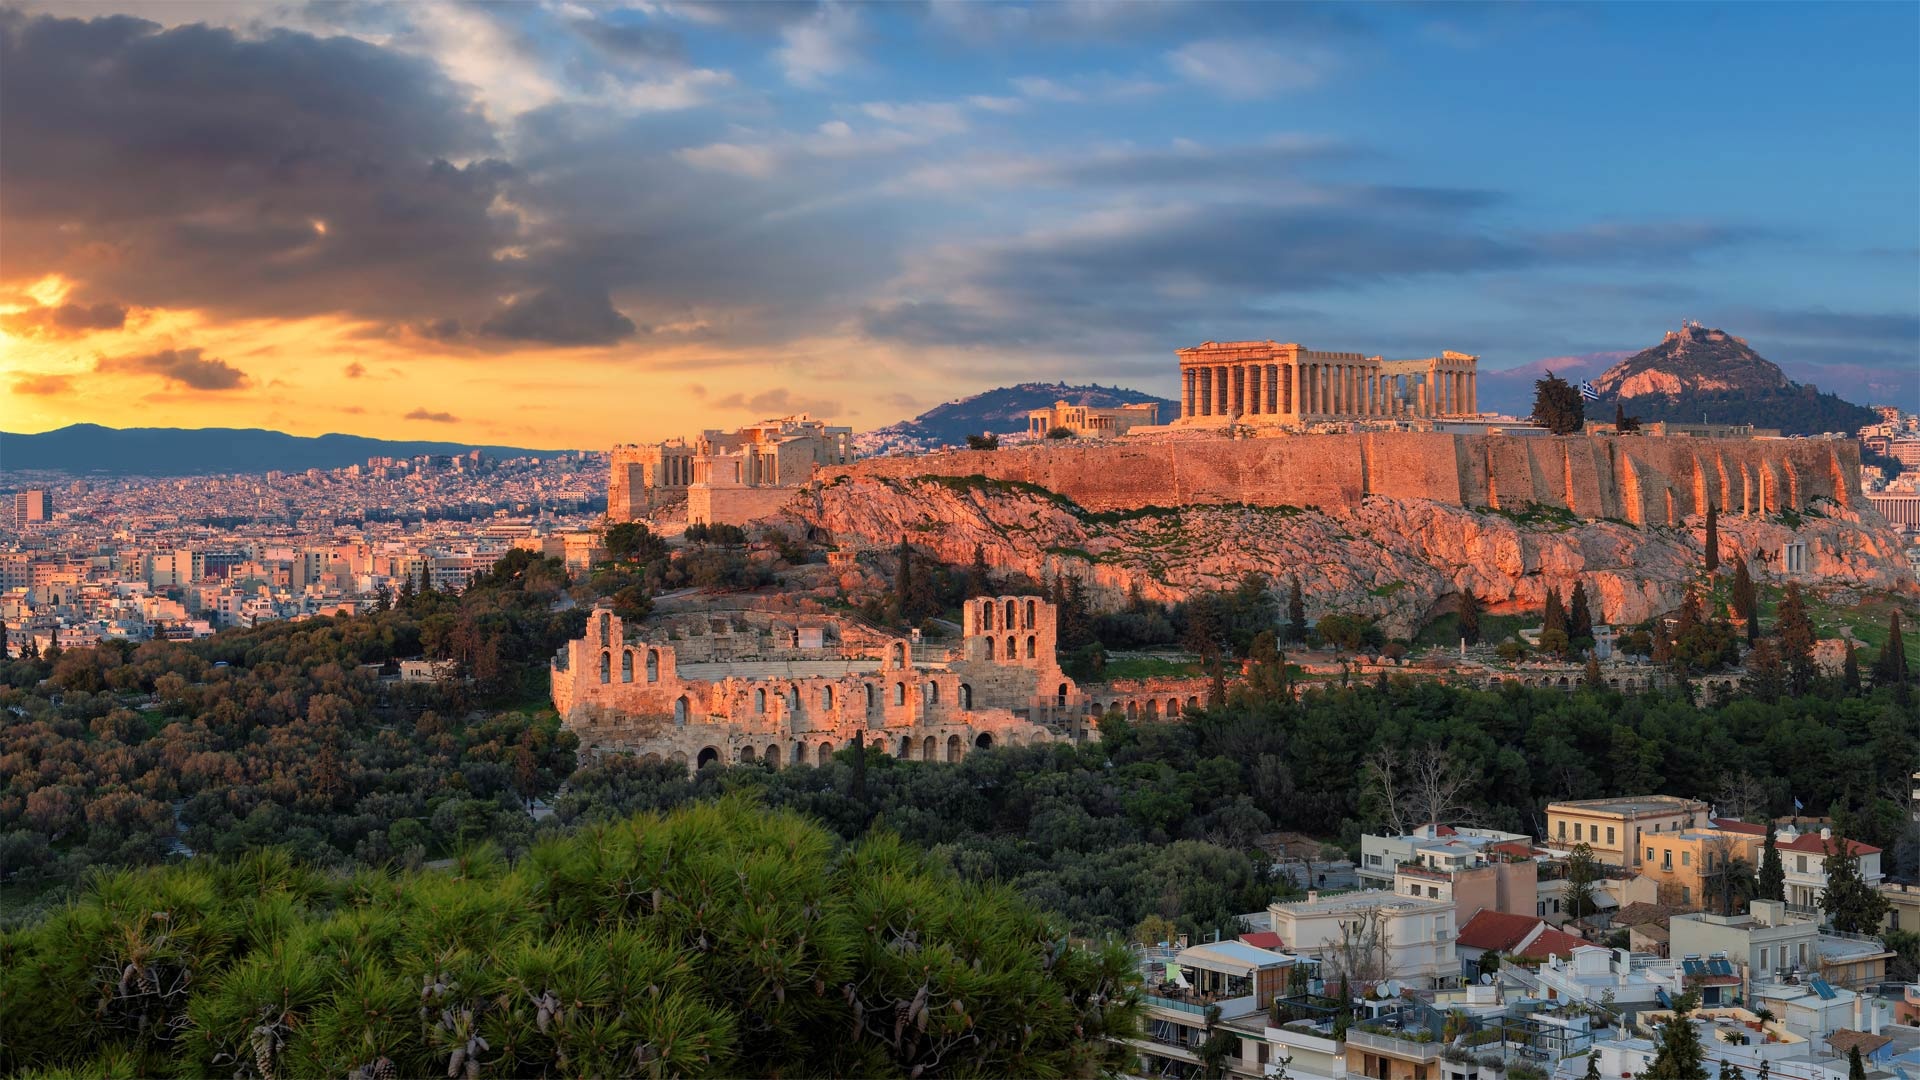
(1773, 874)
(1678, 1055)
(1746, 599)
(1795, 631)
(1296, 613)
(1713, 538)
(1557, 405)
(1852, 905)
(1469, 617)
(1580, 619)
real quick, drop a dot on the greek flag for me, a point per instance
(1798, 805)
(1588, 393)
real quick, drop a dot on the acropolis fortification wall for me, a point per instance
(1641, 479)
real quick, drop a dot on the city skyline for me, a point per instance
(551, 225)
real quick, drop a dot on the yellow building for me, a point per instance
(1616, 828)
(1687, 866)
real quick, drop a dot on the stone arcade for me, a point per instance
(792, 689)
(1266, 382)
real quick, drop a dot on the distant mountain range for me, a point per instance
(1000, 411)
(90, 448)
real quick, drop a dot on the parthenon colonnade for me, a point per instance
(1259, 382)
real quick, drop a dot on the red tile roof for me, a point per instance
(1513, 847)
(1445, 830)
(1553, 943)
(1735, 825)
(1497, 931)
(1813, 845)
(1264, 939)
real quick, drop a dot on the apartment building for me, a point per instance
(1416, 934)
(1689, 867)
(1615, 828)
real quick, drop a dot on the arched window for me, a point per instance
(680, 710)
(826, 752)
(759, 701)
(929, 750)
(1031, 609)
(870, 697)
(707, 757)
(1010, 615)
(793, 699)
(906, 748)
(989, 648)
(930, 694)
(653, 665)
(986, 614)
(899, 654)
(606, 628)
(899, 693)
(1060, 696)
(626, 665)
(983, 741)
(606, 667)
(772, 756)
(966, 696)
(826, 698)
(1030, 652)
(953, 748)
(1013, 647)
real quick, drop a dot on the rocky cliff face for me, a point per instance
(1398, 560)
(1701, 371)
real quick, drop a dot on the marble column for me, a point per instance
(1223, 407)
(1186, 394)
(1291, 373)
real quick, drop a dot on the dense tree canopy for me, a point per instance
(718, 941)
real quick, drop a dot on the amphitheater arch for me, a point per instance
(649, 759)
(899, 693)
(983, 741)
(906, 748)
(1013, 646)
(930, 694)
(1031, 654)
(826, 698)
(986, 617)
(1193, 703)
(989, 648)
(680, 709)
(626, 665)
(826, 752)
(679, 757)
(1060, 697)
(1032, 611)
(899, 654)
(1133, 709)
(708, 755)
(954, 748)
(772, 756)
(760, 700)
(1010, 615)
(800, 753)
(653, 665)
(744, 755)
(1173, 708)
(966, 696)
(606, 666)
(1153, 709)
(930, 750)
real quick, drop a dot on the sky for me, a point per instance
(567, 225)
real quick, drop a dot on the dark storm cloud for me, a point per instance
(275, 175)
(179, 367)
(1145, 277)
(560, 316)
(63, 320)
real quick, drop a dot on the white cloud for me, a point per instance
(1248, 69)
(736, 158)
(932, 118)
(818, 46)
(1099, 88)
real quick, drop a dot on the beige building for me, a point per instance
(1088, 422)
(1413, 937)
(1266, 382)
(31, 507)
(1614, 828)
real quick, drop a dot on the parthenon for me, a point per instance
(1266, 382)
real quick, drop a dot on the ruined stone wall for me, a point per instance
(733, 505)
(1644, 480)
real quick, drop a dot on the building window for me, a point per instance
(1563, 829)
(1800, 864)
(1576, 830)
(1543, 908)
(1373, 860)
(1666, 859)
(1763, 958)
(1413, 890)
(1686, 894)
(1609, 836)
(759, 701)
(1686, 858)
(1649, 854)
(1030, 653)
(1433, 892)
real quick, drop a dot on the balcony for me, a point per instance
(1396, 1046)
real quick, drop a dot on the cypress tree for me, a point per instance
(1713, 538)
(1746, 599)
(1678, 1055)
(1580, 619)
(1296, 613)
(1850, 672)
(1773, 874)
(1593, 678)
(1470, 617)
(1856, 1068)
(1890, 667)
(979, 582)
(1556, 615)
